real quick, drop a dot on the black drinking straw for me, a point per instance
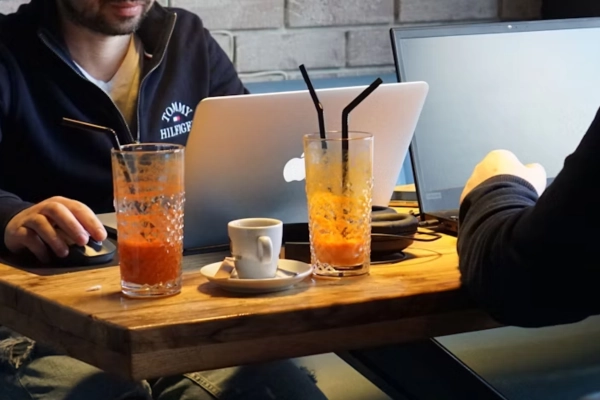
(345, 115)
(318, 105)
(104, 130)
(95, 129)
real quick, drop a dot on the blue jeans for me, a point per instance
(30, 371)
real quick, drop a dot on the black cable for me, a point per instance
(429, 223)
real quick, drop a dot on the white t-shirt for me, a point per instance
(124, 86)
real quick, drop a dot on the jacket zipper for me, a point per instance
(123, 122)
(162, 57)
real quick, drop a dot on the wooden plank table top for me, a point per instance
(83, 313)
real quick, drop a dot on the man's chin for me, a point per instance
(119, 26)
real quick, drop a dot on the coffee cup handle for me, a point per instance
(265, 249)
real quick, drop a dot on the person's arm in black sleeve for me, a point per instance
(224, 79)
(10, 204)
(536, 262)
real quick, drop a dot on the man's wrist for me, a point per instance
(506, 178)
(9, 208)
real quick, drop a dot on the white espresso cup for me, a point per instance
(255, 246)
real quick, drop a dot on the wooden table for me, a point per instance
(205, 327)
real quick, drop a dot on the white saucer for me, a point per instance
(282, 280)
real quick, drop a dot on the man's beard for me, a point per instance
(94, 19)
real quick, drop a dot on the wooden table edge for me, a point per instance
(221, 355)
(193, 357)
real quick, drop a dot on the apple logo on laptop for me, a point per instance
(294, 169)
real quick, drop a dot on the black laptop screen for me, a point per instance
(530, 88)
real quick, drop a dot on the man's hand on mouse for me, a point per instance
(39, 224)
(503, 162)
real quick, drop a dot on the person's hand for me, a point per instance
(55, 222)
(503, 162)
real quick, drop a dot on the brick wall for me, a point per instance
(268, 39)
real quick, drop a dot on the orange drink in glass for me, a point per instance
(148, 182)
(339, 182)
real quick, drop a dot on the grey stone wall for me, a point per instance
(268, 39)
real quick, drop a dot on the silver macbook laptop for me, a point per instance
(244, 153)
(527, 87)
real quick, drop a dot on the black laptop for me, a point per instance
(529, 87)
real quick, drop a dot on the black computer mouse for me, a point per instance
(93, 253)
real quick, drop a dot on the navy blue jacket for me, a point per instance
(553, 9)
(40, 85)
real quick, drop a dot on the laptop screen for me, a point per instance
(532, 88)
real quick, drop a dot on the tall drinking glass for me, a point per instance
(149, 201)
(339, 183)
